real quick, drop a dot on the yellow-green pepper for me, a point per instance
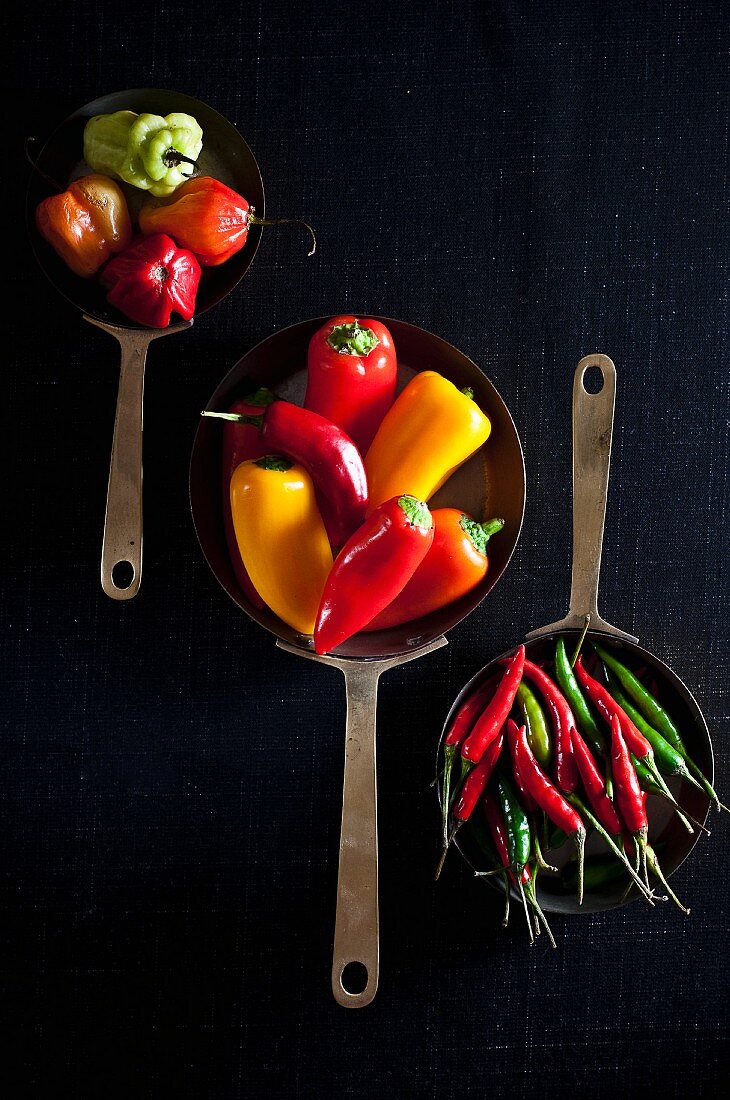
(146, 151)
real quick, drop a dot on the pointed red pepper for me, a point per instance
(372, 568)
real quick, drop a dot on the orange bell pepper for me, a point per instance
(456, 562)
(86, 224)
(281, 537)
(431, 430)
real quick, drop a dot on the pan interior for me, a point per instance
(667, 834)
(225, 155)
(492, 483)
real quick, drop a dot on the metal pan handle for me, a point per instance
(122, 545)
(592, 432)
(355, 958)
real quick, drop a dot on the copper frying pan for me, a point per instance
(491, 483)
(226, 156)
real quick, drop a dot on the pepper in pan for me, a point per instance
(372, 568)
(152, 279)
(351, 375)
(329, 456)
(431, 430)
(86, 224)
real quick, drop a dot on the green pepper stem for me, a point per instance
(656, 869)
(235, 418)
(286, 221)
(29, 142)
(445, 852)
(583, 809)
(582, 638)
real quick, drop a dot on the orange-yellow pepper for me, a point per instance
(281, 537)
(431, 430)
(86, 224)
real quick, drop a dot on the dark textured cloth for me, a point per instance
(533, 182)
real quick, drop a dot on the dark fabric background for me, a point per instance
(533, 182)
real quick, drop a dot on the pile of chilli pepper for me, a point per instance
(192, 222)
(326, 506)
(543, 754)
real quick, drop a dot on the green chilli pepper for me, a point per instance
(517, 825)
(669, 761)
(650, 707)
(578, 704)
(538, 733)
(147, 151)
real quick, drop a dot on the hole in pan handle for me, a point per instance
(592, 431)
(123, 519)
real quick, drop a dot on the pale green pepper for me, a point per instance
(146, 151)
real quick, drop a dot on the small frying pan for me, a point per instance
(592, 431)
(227, 157)
(492, 483)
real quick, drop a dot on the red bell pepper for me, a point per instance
(241, 442)
(151, 279)
(372, 568)
(328, 455)
(208, 218)
(351, 375)
(456, 563)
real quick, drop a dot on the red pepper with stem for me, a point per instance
(488, 725)
(351, 375)
(241, 442)
(547, 797)
(328, 455)
(372, 568)
(208, 218)
(629, 795)
(566, 772)
(595, 785)
(470, 791)
(463, 721)
(608, 708)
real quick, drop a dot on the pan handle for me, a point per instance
(122, 545)
(592, 431)
(355, 959)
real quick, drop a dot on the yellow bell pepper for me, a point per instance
(281, 537)
(431, 430)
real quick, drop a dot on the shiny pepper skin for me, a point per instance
(86, 224)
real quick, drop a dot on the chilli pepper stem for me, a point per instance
(287, 221)
(582, 638)
(656, 869)
(579, 805)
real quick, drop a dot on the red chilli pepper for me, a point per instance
(477, 779)
(372, 568)
(493, 717)
(328, 455)
(595, 785)
(527, 800)
(607, 707)
(351, 375)
(566, 772)
(463, 721)
(151, 280)
(548, 797)
(628, 792)
(241, 442)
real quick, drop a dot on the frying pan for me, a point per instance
(227, 157)
(592, 431)
(491, 483)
